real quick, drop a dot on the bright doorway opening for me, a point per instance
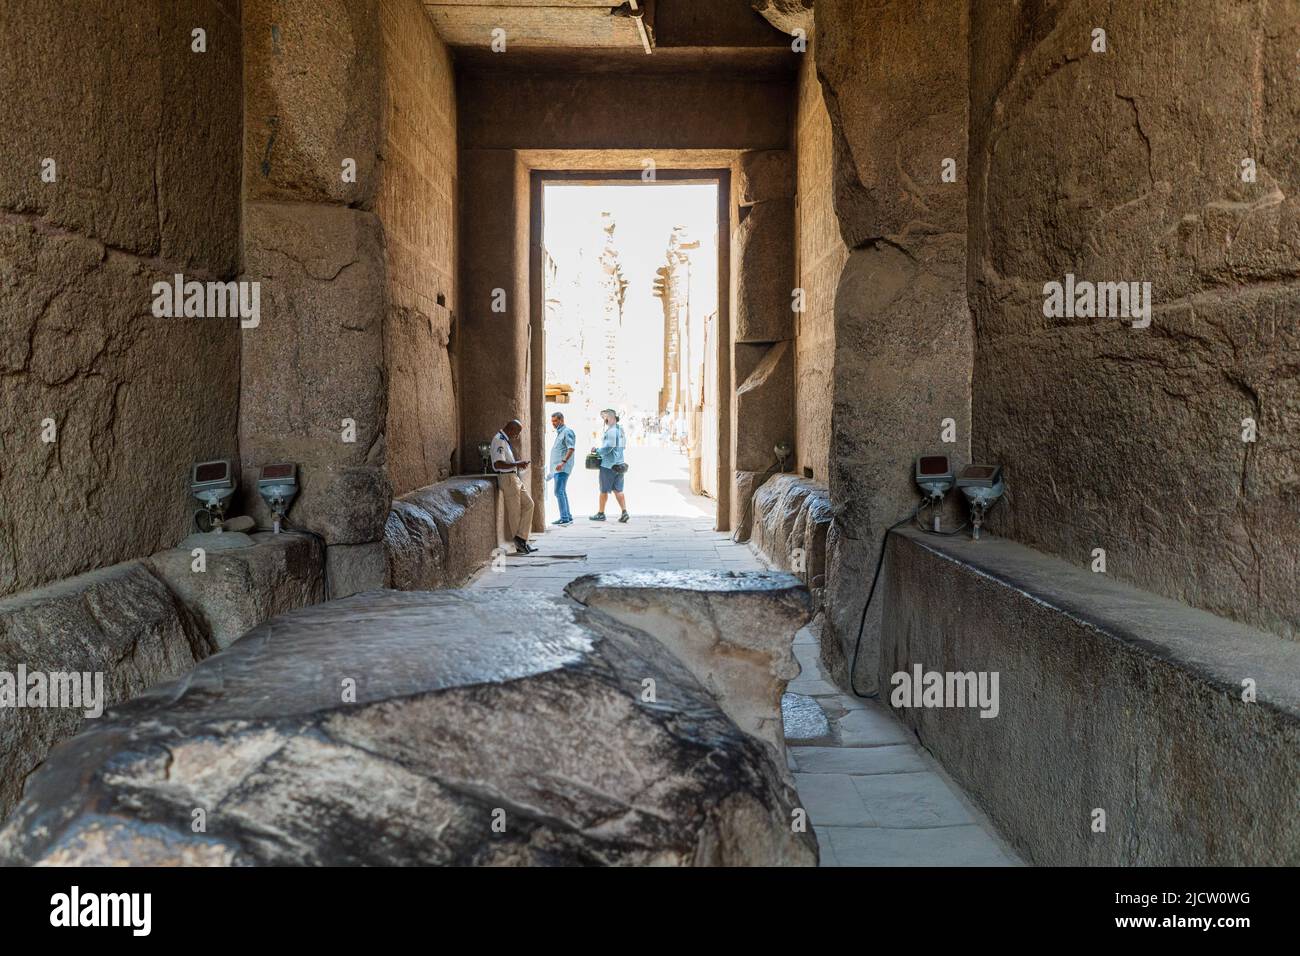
(631, 322)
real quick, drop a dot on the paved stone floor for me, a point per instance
(874, 797)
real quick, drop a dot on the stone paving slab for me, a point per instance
(858, 760)
(968, 845)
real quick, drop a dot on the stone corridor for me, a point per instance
(873, 795)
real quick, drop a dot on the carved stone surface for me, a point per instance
(471, 709)
(734, 630)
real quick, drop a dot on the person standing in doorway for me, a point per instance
(519, 503)
(612, 465)
(562, 465)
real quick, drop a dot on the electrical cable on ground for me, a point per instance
(880, 563)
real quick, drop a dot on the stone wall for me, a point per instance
(903, 336)
(350, 372)
(140, 192)
(1127, 165)
(1108, 699)
(820, 255)
(416, 203)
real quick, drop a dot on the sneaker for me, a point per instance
(624, 518)
(563, 521)
(598, 516)
(524, 548)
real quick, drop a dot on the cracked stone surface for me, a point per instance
(438, 536)
(457, 719)
(122, 622)
(733, 630)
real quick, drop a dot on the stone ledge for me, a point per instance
(1109, 697)
(240, 589)
(139, 623)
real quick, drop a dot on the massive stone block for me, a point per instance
(894, 387)
(316, 364)
(438, 536)
(895, 81)
(122, 623)
(312, 93)
(762, 257)
(764, 174)
(734, 632)
(457, 722)
(1107, 697)
(242, 588)
(764, 410)
(132, 401)
(1130, 439)
(792, 516)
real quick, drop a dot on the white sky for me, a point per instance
(644, 216)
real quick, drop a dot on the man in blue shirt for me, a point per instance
(612, 466)
(562, 465)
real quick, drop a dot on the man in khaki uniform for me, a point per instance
(519, 503)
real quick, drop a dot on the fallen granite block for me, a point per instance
(121, 623)
(733, 630)
(242, 588)
(438, 536)
(792, 516)
(434, 727)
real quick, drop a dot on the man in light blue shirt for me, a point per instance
(612, 465)
(562, 465)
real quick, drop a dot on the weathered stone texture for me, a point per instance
(312, 88)
(1108, 697)
(763, 409)
(744, 484)
(764, 174)
(242, 588)
(895, 80)
(820, 257)
(903, 336)
(791, 518)
(1130, 439)
(315, 360)
(416, 202)
(437, 537)
(140, 193)
(121, 622)
(353, 568)
(455, 718)
(786, 15)
(762, 251)
(733, 631)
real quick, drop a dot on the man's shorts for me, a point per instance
(610, 480)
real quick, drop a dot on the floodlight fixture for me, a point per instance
(213, 484)
(278, 486)
(983, 486)
(934, 478)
